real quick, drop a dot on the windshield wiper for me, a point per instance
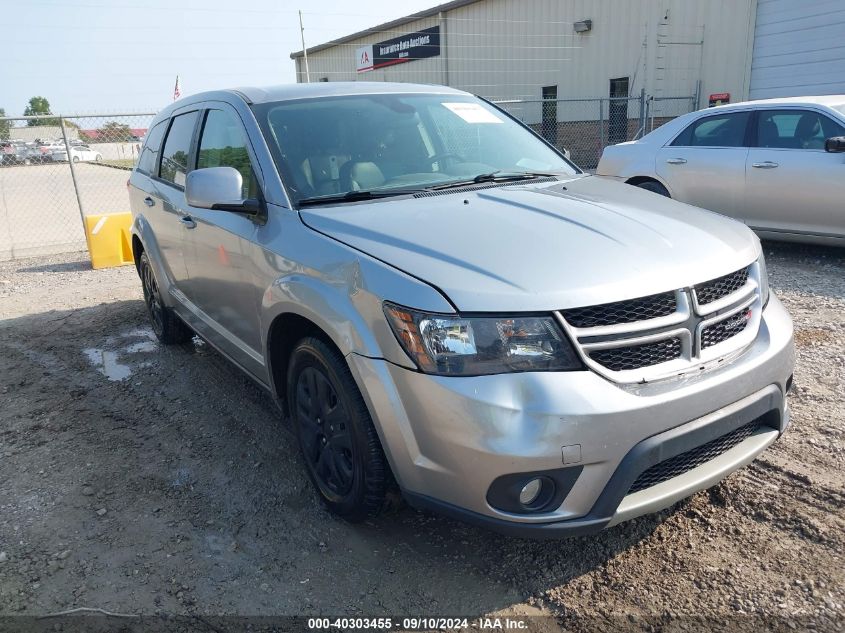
(493, 176)
(354, 196)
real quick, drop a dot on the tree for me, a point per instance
(39, 106)
(4, 126)
(114, 132)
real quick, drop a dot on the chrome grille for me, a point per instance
(669, 334)
(650, 307)
(636, 356)
(715, 289)
(723, 330)
(680, 464)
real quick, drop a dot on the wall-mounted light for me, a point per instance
(583, 26)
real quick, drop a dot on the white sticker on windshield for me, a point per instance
(473, 113)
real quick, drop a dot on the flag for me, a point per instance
(176, 92)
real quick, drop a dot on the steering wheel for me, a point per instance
(441, 155)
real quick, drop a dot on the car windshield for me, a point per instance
(398, 143)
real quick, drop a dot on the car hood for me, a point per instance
(543, 246)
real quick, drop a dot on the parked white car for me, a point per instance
(78, 153)
(777, 164)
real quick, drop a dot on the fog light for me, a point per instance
(530, 492)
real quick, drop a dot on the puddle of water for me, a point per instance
(142, 346)
(106, 363)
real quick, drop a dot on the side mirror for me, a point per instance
(835, 144)
(218, 188)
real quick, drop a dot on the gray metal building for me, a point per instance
(531, 49)
(799, 48)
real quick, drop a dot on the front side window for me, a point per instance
(724, 130)
(223, 144)
(384, 142)
(149, 155)
(177, 147)
(795, 129)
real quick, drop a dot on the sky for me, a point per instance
(116, 56)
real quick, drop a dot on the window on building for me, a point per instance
(617, 111)
(177, 147)
(549, 125)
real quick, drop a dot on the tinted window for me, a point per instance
(725, 130)
(177, 146)
(223, 144)
(149, 155)
(795, 129)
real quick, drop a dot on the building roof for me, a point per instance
(446, 6)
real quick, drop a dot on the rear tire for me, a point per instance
(654, 187)
(341, 449)
(168, 327)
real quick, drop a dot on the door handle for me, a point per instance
(188, 221)
(676, 161)
(765, 165)
(149, 201)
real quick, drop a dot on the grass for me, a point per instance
(119, 163)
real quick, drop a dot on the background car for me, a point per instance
(19, 153)
(763, 162)
(78, 153)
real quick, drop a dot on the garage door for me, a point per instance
(798, 48)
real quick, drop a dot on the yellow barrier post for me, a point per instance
(108, 237)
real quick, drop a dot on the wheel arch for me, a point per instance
(285, 331)
(638, 180)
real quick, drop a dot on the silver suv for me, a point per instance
(442, 304)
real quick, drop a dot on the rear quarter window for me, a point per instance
(149, 153)
(177, 148)
(719, 130)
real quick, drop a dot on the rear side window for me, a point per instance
(149, 155)
(223, 144)
(177, 147)
(725, 130)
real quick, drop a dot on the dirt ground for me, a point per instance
(143, 480)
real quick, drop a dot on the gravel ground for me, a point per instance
(142, 479)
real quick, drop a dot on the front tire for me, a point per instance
(342, 453)
(169, 328)
(654, 187)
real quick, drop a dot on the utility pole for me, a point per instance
(304, 50)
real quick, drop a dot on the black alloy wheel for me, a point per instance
(168, 328)
(339, 444)
(323, 430)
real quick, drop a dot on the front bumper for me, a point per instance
(447, 439)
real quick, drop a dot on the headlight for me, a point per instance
(452, 345)
(764, 280)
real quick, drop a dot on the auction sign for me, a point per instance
(398, 50)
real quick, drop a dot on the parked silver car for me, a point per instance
(443, 304)
(777, 164)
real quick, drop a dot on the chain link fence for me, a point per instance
(56, 169)
(584, 127)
